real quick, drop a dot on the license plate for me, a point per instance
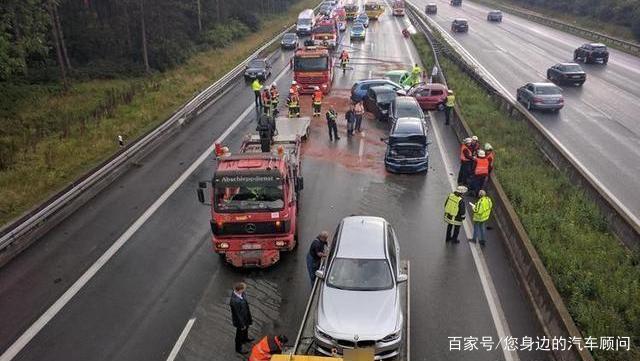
(252, 246)
(251, 254)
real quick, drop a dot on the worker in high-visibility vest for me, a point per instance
(416, 74)
(466, 161)
(267, 347)
(454, 213)
(481, 212)
(293, 102)
(449, 105)
(317, 101)
(491, 155)
(295, 87)
(481, 170)
(266, 102)
(257, 87)
(275, 99)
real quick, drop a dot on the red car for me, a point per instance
(430, 96)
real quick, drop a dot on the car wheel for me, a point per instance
(605, 61)
(575, 57)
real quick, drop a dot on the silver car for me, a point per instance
(359, 300)
(545, 96)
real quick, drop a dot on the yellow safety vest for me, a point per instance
(451, 100)
(451, 208)
(482, 209)
(256, 86)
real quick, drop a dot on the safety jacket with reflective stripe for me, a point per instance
(465, 153)
(274, 93)
(317, 97)
(292, 101)
(482, 209)
(451, 100)
(263, 350)
(453, 209)
(256, 86)
(482, 167)
(295, 89)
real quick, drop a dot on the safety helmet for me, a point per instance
(316, 88)
(294, 83)
(461, 189)
(481, 153)
(450, 91)
(274, 84)
(487, 146)
(466, 140)
(474, 138)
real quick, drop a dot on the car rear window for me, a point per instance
(436, 92)
(547, 90)
(360, 274)
(600, 48)
(571, 68)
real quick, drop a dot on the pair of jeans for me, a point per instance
(479, 231)
(447, 114)
(333, 130)
(242, 336)
(312, 267)
(358, 121)
(350, 127)
(258, 98)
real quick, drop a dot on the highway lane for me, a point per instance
(599, 123)
(137, 304)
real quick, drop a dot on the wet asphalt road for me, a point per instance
(599, 123)
(136, 306)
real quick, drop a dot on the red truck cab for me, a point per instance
(254, 204)
(313, 66)
(325, 33)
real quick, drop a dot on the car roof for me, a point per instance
(382, 89)
(362, 237)
(495, 11)
(439, 86)
(460, 19)
(431, 4)
(374, 80)
(402, 101)
(597, 44)
(543, 85)
(397, 71)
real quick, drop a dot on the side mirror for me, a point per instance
(201, 195)
(403, 277)
(320, 274)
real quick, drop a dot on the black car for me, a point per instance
(378, 100)
(460, 26)
(257, 68)
(592, 53)
(407, 147)
(494, 15)
(289, 41)
(431, 8)
(456, 3)
(567, 73)
(405, 107)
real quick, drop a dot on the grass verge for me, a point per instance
(88, 118)
(597, 277)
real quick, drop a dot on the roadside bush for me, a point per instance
(249, 19)
(223, 35)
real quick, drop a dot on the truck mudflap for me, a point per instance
(305, 343)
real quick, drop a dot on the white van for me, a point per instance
(306, 20)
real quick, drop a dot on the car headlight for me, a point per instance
(393, 336)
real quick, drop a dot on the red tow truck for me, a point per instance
(313, 66)
(254, 197)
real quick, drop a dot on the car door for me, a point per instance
(370, 103)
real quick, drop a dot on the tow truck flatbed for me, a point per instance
(305, 343)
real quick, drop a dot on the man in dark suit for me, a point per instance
(241, 315)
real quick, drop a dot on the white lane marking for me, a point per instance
(183, 336)
(408, 310)
(53, 310)
(497, 313)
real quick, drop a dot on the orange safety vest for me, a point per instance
(465, 153)
(317, 97)
(482, 166)
(263, 350)
(490, 157)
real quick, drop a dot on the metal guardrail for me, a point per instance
(32, 224)
(622, 222)
(630, 47)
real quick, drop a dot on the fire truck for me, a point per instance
(313, 66)
(398, 8)
(254, 197)
(325, 33)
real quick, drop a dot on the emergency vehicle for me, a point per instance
(398, 8)
(254, 197)
(326, 33)
(351, 11)
(374, 9)
(313, 66)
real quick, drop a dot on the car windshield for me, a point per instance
(256, 64)
(304, 21)
(363, 17)
(360, 274)
(385, 97)
(254, 197)
(289, 36)
(310, 64)
(407, 111)
(571, 68)
(547, 90)
(600, 48)
(357, 27)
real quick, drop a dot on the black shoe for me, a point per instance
(455, 240)
(482, 243)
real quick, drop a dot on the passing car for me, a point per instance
(257, 68)
(359, 302)
(455, 3)
(289, 41)
(398, 76)
(363, 18)
(543, 96)
(358, 32)
(495, 15)
(459, 25)
(431, 96)
(592, 53)
(567, 73)
(378, 101)
(431, 8)
(405, 107)
(360, 88)
(407, 146)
